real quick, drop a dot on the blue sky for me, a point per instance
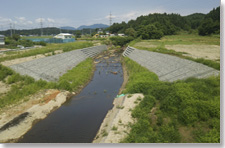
(56, 13)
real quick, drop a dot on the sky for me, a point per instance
(28, 14)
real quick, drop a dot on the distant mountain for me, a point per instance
(93, 26)
(68, 28)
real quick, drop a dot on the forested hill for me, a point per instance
(195, 19)
(154, 26)
(211, 23)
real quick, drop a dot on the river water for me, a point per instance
(78, 120)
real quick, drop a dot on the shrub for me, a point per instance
(121, 41)
(4, 72)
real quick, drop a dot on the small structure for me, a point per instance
(104, 36)
(60, 38)
(2, 40)
(100, 31)
(121, 34)
(64, 36)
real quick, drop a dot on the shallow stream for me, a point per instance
(78, 120)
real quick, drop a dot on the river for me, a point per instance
(78, 120)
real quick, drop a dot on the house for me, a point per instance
(2, 40)
(121, 34)
(100, 31)
(104, 36)
(63, 36)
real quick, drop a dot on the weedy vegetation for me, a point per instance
(193, 104)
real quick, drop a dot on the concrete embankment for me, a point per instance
(167, 67)
(52, 67)
(17, 120)
(116, 124)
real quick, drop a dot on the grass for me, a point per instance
(193, 103)
(24, 86)
(50, 48)
(183, 39)
(34, 37)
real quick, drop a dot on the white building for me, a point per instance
(2, 40)
(64, 36)
(121, 34)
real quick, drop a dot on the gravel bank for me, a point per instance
(116, 124)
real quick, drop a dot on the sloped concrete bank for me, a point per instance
(52, 67)
(167, 67)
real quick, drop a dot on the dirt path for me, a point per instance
(116, 124)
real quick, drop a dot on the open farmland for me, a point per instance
(191, 45)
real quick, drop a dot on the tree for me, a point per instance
(211, 23)
(131, 32)
(207, 27)
(150, 32)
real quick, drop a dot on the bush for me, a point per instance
(14, 78)
(121, 41)
(4, 72)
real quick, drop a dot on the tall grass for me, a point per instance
(191, 103)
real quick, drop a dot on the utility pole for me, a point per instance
(14, 28)
(110, 19)
(41, 23)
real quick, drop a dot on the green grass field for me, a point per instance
(183, 39)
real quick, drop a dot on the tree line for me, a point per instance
(155, 26)
(49, 31)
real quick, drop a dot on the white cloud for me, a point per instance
(39, 20)
(5, 20)
(21, 19)
(134, 14)
(50, 20)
